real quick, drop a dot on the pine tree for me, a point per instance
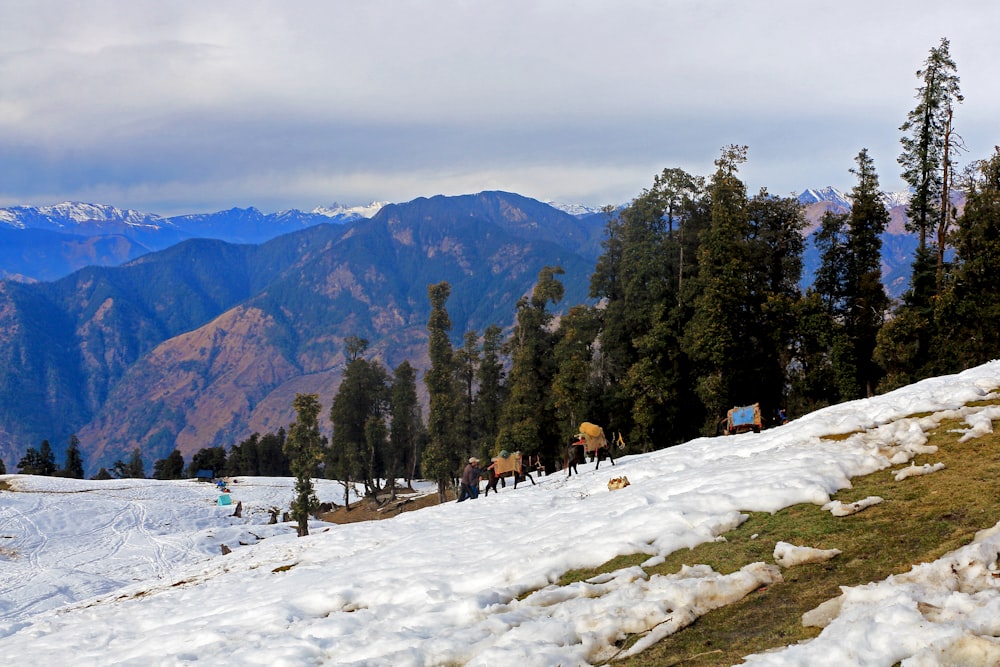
(834, 364)
(529, 423)
(466, 363)
(304, 448)
(441, 457)
(172, 467)
(575, 389)
(208, 458)
(971, 300)
(271, 457)
(926, 158)
(644, 280)
(810, 375)
(30, 463)
(132, 469)
(491, 394)
(363, 395)
(74, 460)
(136, 468)
(405, 426)
(39, 461)
(714, 338)
(47, 458)
(867, 304)
(775, 245)
(243, 458)
(849, 281)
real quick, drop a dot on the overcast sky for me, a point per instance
(176, 107)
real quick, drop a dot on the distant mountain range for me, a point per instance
(50, 242)
(205, 342)
(134, 330)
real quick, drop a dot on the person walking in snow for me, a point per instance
(469, 486)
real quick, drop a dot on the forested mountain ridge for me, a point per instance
(50, 242)
(207, 341)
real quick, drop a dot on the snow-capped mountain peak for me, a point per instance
(574, 209)
(832, 195)
(828, 194)
(891, 199)
(336, 210)
(71, 215)
(82, 212)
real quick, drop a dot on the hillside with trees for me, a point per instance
(451, 327)
(698, 307)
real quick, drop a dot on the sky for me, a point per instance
(188, 107)
(131, 572)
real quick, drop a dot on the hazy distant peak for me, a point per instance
(574, 209)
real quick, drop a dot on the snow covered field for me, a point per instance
(130, 572)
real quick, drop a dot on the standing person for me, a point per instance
(469, 488)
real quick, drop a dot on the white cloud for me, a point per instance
(231, 92)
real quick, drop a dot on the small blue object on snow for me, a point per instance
(224, 499)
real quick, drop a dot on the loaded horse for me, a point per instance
(590, 441)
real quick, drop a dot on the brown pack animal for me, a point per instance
(575, 455)
(590, 441)
(512, 465)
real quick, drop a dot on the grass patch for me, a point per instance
(921, 519)
(5, 486)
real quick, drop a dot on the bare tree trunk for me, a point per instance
(943, 222)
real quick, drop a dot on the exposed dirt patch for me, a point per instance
(373, 510)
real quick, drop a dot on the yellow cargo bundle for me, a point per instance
(594, 435)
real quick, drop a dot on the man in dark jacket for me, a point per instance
(469, 487)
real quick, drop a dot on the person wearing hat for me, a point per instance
(469, 488)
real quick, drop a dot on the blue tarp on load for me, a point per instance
(743, 416)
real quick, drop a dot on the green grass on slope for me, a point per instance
(921, 519)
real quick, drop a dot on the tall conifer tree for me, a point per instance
(714, 338)
(441, 458)
(867, 303)
(46, 459)
(406, 426)
(969, 309)
(304, 448)
(649, 252)
(927, 140)
(363, 396)
(849, 280)
(529, 422)
(576, 392)
(466, 362)
(491, 393)
(74, 460)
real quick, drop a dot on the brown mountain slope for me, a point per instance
(238, 373)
